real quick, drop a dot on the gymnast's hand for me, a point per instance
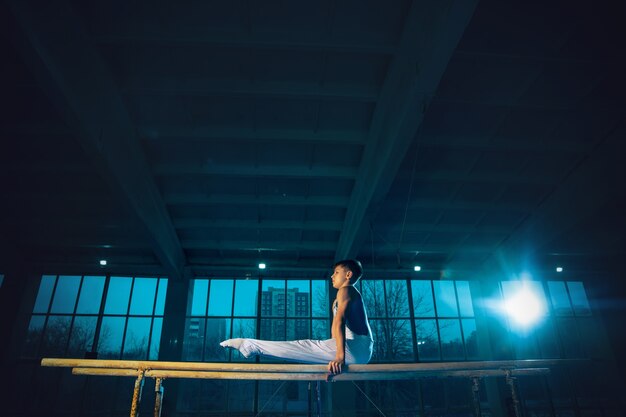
(334, 367)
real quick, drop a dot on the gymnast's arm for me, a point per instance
(339, 330)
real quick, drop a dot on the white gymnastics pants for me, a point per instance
(358, 350)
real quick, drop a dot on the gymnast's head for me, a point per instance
(353, 266)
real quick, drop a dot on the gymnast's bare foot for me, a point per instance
(232, 343)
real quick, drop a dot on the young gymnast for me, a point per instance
(351, 340)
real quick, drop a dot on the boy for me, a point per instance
(351, 334)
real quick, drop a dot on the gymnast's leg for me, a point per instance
(307, 351)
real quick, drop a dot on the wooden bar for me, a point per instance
(313, 376)
(299, 368)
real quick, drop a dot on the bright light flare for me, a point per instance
(524, 308)
(262, 266)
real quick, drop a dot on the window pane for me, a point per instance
(465, 299)
(559, 298)
(320, 298)
(160, 303)
(397, 298)
(31, 343)
(423, 304)
(445, 300)
(579, 298)
(194, 339)
(380, 347)
(298, 329)
(546, 338)
(81, 339)
(144, 292)
(65, 294)
(111, 334)
(471, 338)
(298, 299)
(273, 329)
(56, 335)
(241, 397)
(427, 339)
(45, 293)
(273, 298)
(399, 340)
(199, 290)
(320, 330)
(137, 338)
(451, 342)
(243, 328)
(216, 331)
(221, 297)
(246, 297)
(90, 295)
(374, 297)
(246, 301)
(118, 295)
(570, 339)
(155, 342)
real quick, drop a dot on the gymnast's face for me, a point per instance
(341, 277)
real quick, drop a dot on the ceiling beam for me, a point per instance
(201, 223)
(257, 135)
(190, 199)
(296, 171)
(151, 86)
(210, 244)
(59, 51)
(431, 33)
(231, 40)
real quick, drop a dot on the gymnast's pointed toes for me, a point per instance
(231, 343)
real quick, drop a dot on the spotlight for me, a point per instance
(262, 266)
(559, 269)
(103, 262)
(417, 268)
(525, 308)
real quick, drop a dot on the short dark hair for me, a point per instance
(351, 265)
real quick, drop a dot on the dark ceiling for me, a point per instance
(203, 136)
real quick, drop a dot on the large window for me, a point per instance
(273, 309)
(117, 317)
(566, 315)
(225, 308)
(445, 327)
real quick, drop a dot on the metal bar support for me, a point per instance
(476, 396)
(134, 407)
(510, 380)
(159, 391)
(318, 397)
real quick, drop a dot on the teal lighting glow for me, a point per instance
(525, 307)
